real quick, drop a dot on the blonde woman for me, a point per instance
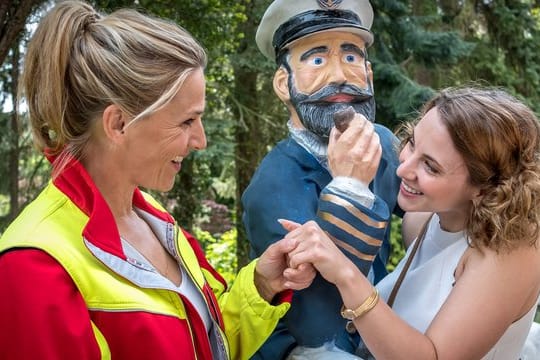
(94, 268)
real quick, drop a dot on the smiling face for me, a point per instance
(434, 175)
(329, 71)
(158, 143)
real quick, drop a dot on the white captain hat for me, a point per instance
(286, 21)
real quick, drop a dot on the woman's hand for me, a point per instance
(314, 246)
(356, 152)
(273, 273)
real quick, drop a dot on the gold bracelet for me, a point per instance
(366, 306)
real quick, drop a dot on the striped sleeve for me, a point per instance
(357, 230)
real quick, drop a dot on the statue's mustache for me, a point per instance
(357, 93)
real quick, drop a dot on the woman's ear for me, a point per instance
(114, 122)
(281, 85)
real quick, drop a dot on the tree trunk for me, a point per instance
(184, 197)
(13, 15)
(14, 152)
(248, 131)
(421, 74)
(450, 8)
(246, 155)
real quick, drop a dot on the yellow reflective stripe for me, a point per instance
(189, 259)
(54, 224)
(102, 343)
(249, 319)
(217, 286)
(59, 236)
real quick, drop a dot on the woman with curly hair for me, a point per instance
(468, 286)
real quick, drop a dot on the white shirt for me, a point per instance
(428, 283)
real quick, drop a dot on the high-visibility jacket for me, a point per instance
(69, 291)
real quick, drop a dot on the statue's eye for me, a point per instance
(350, 58)
(317, 61)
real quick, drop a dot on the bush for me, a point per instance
(220, 251)
(397, 251)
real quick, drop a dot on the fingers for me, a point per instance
(279, 249)
(312, 243)
(371, 154)
(356, 152)
(356, 127)
(299, 278)
(303, 252)
(304, 233)
(296, 285)
(305, 257)
(334, 136)
(288, 224)
(361, 137)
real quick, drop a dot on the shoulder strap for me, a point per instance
(419, 240)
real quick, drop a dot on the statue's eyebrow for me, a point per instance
(346, 47)
(315, 50)
(353, 48)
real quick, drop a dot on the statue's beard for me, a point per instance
(317, 115)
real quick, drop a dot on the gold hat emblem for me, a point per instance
(329, 4)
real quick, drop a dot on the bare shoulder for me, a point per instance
(525, 258)
(514, 274)
(491, 291)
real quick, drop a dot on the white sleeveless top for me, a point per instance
(429, 281)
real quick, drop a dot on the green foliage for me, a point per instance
(408, 49)
(5, 146)
(220, 252)
(33, 168)
(507, 49)
(399, 97)
(420, 46)
(4, 207)
(397, 248)
(436, 48)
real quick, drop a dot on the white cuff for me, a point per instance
(352, 188)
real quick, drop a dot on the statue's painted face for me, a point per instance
(329, 71)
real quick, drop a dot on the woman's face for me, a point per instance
(159, 143)
(434, 175)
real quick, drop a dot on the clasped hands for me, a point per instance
(293, 262)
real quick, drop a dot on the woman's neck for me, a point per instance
(452, 222)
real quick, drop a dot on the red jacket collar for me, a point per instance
(101, 230)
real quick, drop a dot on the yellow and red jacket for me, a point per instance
(69, 291)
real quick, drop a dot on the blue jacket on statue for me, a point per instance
(291, 184)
